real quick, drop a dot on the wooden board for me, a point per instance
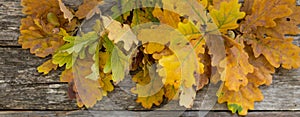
(23, 89)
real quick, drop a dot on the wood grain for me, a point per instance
(142, 114)
(23, 88)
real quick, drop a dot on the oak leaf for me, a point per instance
(171, 92)
(67, 76)
(38, 36)
(147, 102)
(119, 65)
(167, 17)
(277, 51)
(264, 12)
(236, 60)
(46, 67)
(120, 33)
(41, 30)
(105, 83)
(151, 48)
(187, 97)
(67, 13)
(153, 87)
(226, 18)
(240, 100)
(86, 7)
(88, 90)
(263, 70)
(285, 25)
(216, 4)
(171, 71)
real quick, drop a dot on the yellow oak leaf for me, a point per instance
(277, 51)
(264, 12)
(172, 75)
(204, 3)
(167, 17)
(241, 100)
(151, 48)
(237, 61)
(46, 67)
(189, 30)
(147, 102)
(151, 88)
(103, 58)
(195, 10)
(226, 17)
(105, 83)
(217, 3)
(142, 78)
(140, 17)
(171, 92)
(159, 55)
(193, 35)
(171, 71)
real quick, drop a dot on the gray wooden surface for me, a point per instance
(24, 92)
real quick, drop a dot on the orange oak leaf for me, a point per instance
(86, 7)
(149, 88)
(205, 76)
(167, 17)
(277, 51)
(41, 41)
(264, 12)
(38, 8)
(42, 30)
(241, 100)
(237, 61)
(247, 6)
(263, 70)
(67, 76)
(285, 25)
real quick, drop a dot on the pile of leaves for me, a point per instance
(187, 44)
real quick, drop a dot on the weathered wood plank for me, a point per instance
(19, 67)
(10, 17)
(23, 88)
(141, 114)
